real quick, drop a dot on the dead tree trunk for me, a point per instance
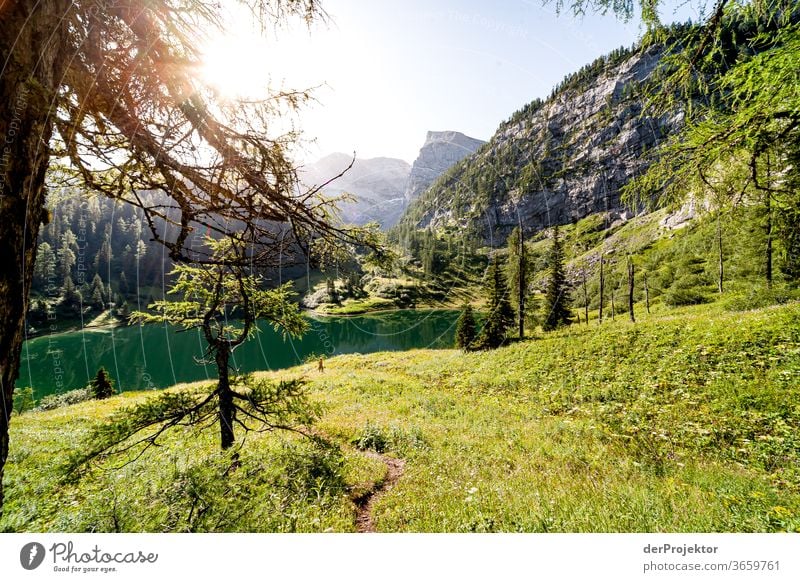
(766, 188)
(613, 310)
(720, 262)
(521, 285)
(630, 290)
(768, 204)
(602, 291)
(585, 297)
(646, 293)
(32, 45)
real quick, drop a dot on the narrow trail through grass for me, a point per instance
(365, 502)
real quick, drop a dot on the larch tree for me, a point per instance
(224, 300)
(107, 96)
(733, 78)
(736, 81)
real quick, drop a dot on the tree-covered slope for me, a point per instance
(558, 160)
(554, 161)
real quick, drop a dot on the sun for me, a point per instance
(234, 66)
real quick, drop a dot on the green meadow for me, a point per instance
(685, 421)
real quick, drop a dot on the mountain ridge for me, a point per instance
(377, 185)
(382, 186)
(441, 150)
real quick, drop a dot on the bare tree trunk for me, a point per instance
(521, 287)
(720, 262)
(646, 293)
(33, 51)
(602, 291)
(585, 297)
(630, 289)
(225, 396)
(766, 188)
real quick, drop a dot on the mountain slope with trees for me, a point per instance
(554, 161)
(701, 91)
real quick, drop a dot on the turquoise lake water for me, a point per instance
(156, 356)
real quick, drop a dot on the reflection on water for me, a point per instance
(156, 356)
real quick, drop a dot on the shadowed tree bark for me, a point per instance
(33, 62)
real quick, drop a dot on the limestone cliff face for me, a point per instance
(554, 161)
(440, 151)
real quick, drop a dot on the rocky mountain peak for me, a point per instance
(441, 150)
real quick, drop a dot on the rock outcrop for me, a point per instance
(441, 150)
(554, 161)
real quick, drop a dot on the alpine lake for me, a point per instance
(154, 356)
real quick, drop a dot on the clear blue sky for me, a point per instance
(393, 70)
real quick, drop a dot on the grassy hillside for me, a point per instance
(680, 264)
(685, 421)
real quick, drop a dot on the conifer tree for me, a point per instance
(71, 298)
(333, 294)
(89, 80)
(124, 288)
(466, 329)
(557, 298)
(102, 385)
(500, 318)
(98, 293)
(517, 268)
(209, 299)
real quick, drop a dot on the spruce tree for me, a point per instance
(102, 385)
(124, 288)
(333, 294)
(517, 268)
(466, 329)
(71, 298)
(500, 318)
(98, 293)
(557, 299)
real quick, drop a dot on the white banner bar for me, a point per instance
(401, 557)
